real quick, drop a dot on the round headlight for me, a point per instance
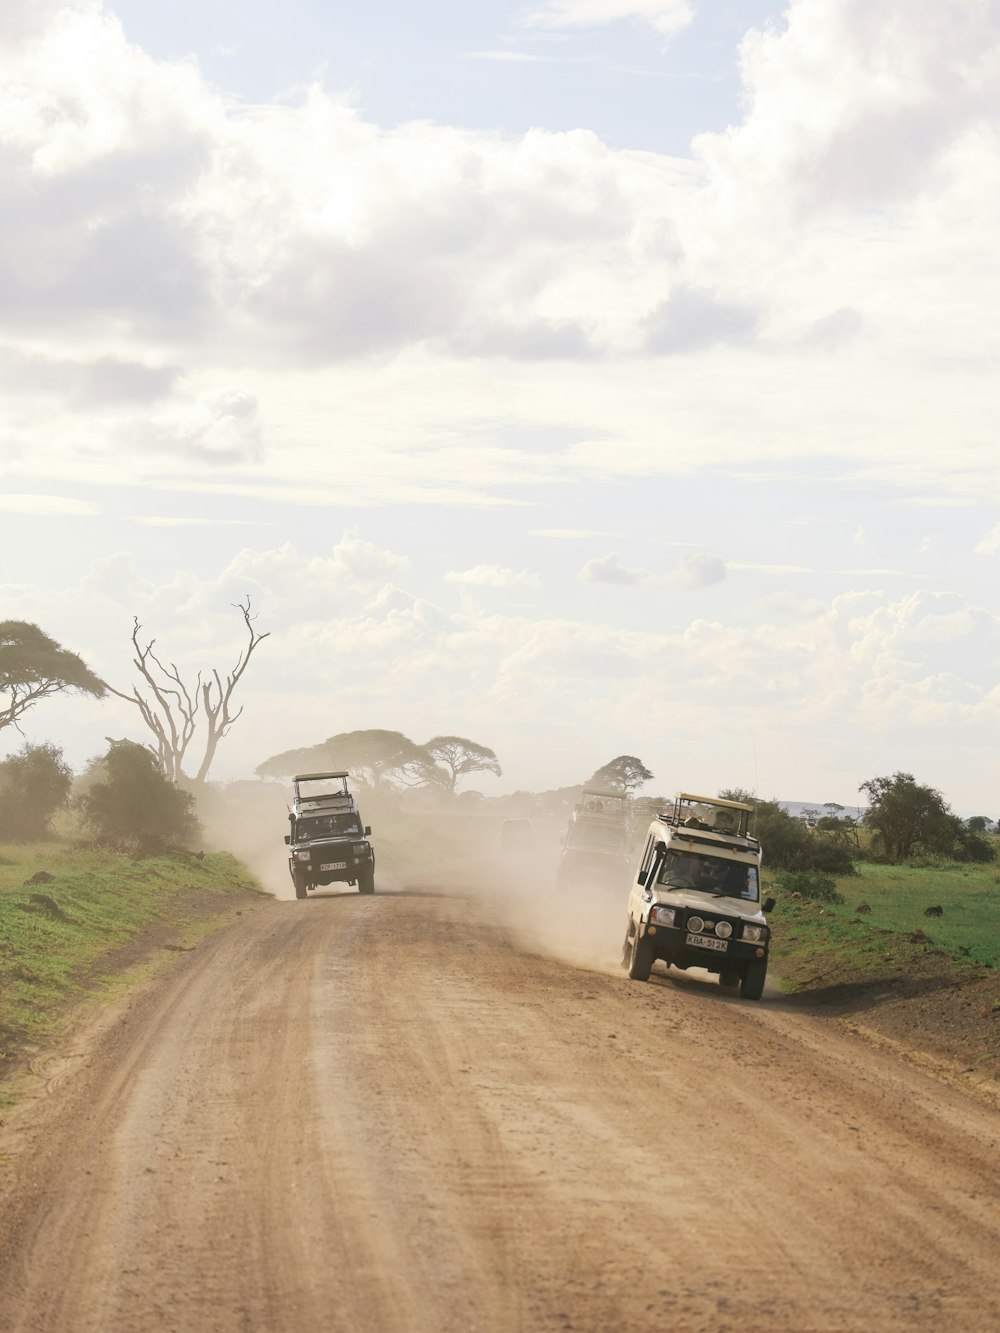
(695, 924)
(723, 929)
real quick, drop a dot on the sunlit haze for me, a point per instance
(582, 377)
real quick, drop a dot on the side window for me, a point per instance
(647, 858)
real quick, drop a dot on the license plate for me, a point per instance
(708, 942)
(334, 865)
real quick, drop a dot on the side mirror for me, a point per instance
(368, 830)
(768, 905)
(287, 838)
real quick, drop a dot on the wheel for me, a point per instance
(626, 945)
(729, 976)
(752, 982)
(366, 881)
(301, 883)
(640, 959)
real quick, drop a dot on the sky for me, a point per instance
(583, 377)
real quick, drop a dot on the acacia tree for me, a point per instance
(374, 757)
(172, 709)
(625, 773)
(454, 756)
(905, 815)
(34, 667)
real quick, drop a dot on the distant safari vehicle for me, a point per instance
(596, 842)
(327, 843)
(516, 836)
(695, 899)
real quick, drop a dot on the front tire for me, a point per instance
(752, 983)
(366, 881)
(626, 945)
(640, 959)
(301, 884)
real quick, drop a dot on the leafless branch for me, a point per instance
(170, 708)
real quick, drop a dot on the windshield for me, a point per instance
(312, 789)
(604, 805)
(709, 874)
(326, 826)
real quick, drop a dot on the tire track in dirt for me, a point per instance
(382, 1114)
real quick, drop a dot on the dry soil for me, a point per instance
(399, 1115)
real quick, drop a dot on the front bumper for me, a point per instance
(332, 863)
(672, 944)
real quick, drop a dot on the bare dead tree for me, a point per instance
(170, 708)
(216, 697)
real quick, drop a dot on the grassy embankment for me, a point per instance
(811, 935)
(101, 922)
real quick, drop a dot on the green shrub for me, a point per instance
(132, 805)
(812, 884)
(788, 844)
(34, 784)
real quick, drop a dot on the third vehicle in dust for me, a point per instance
(695, 899)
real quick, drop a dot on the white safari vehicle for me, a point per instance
(695, 900)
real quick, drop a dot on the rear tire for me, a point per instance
(752, 983)
(640, 959)
(730, 977)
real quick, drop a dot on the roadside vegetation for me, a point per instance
(947, 907)
(78, 923)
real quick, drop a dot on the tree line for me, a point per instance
(144, 791)
(388, 759)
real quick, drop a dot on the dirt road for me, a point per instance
(385, 1114)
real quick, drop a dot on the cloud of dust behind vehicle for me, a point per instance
(250, 820)
(445, 850)
(461, 854)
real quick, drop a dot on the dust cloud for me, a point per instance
(444, 850)
(250, 820)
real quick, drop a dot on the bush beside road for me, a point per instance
(76, 924)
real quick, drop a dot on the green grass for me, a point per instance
(96, 919)
(969, 926)
(811, 937)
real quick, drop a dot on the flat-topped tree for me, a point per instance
(375, 757)
(625, 774)
(454, 756)
(34, 667)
